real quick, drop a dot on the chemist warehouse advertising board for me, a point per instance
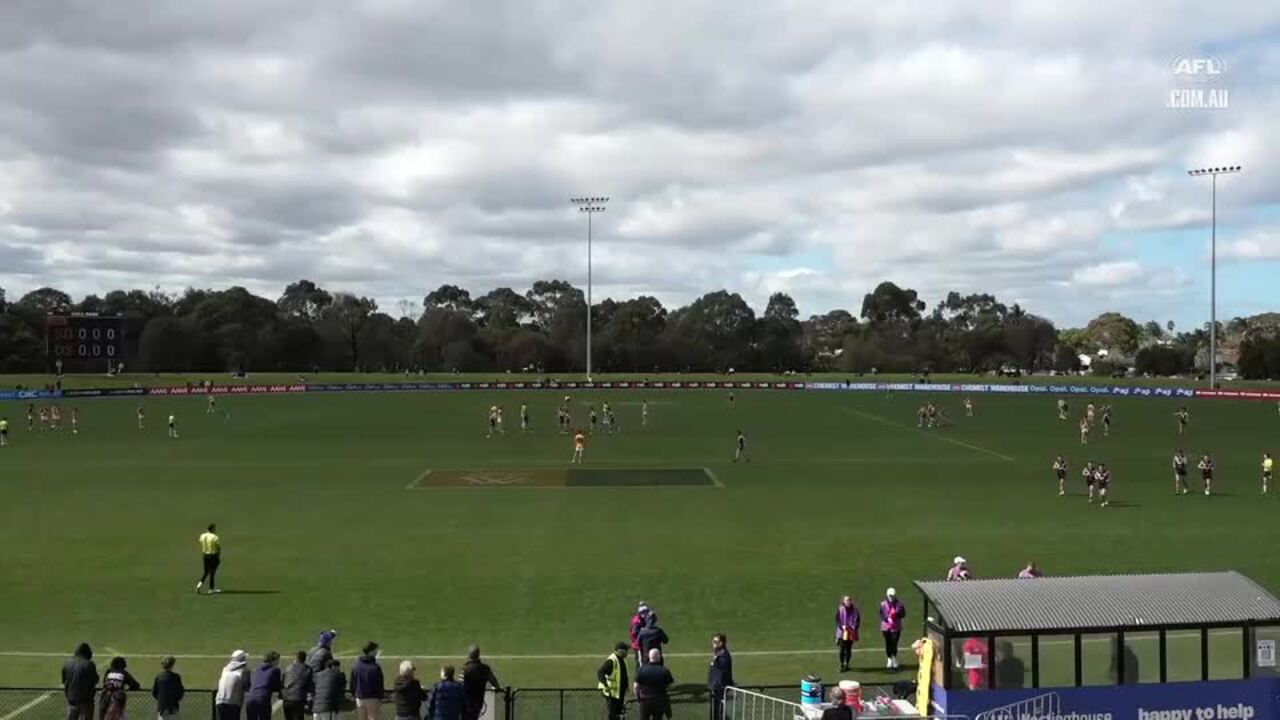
(1257, 699)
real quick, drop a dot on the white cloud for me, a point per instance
(1107, 274)
(388, 147)
(1262, 245)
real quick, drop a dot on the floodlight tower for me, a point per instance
(1213, 173)
(590, 206)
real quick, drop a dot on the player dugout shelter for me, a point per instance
(1051, 646)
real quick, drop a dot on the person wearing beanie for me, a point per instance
(613, 682)
(892, 613)
(652, 637)
(446, 697)
(320, 655)
(477, 677)
(233, 683)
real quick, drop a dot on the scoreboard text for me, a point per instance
(85, 342)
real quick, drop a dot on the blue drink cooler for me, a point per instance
(811, 691)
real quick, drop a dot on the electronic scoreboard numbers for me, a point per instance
(85, 343)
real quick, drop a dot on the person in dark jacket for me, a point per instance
(367, 684)
(720, 675)
(477, 677)
(116, 685)
(319, 656)
(299, 682)
(652, 637)
(79, 682)
(264, 682)
(331, 687)
(612, 681)
(407, 693)
(447, 697)
(167, 689)
(651, 686)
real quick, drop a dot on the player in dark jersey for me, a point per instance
(741, 452)
(31, 417)
(1102, 478)
(1180, 473)
(1184, 419)
(593, 419)
(1206, 473)
(1060, 470)
(1106, 420)
(1088, 474)
(920, 416)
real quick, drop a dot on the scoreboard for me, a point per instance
(85, 343)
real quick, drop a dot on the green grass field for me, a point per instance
(329, 518)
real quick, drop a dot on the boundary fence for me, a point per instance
(828, 386)
(688, 702)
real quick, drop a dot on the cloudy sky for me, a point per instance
(811, 146)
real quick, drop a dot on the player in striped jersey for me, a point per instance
(1060, 470)
(1206, 473)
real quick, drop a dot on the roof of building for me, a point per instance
(1100, 601)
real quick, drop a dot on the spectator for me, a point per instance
(720, 676)
(367, 684)
(1010, 671)
(651, 686)
(652, 637)
(959, 570)
(447, 697)
(318, 658)
(612, 677)
(299, 683)
(115, 686)
(167, 689)
(232, 685)
(79, 681)
(637, 624)
(264, 682)
(477, 677)
(331, 687)
(848, 622)
(892, 613)
(407, 693)
(1030, 571)
(838, 710)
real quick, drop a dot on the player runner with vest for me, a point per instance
(613, 682)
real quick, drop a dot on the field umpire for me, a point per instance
(211, 555)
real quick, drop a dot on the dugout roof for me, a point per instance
(1099, 602)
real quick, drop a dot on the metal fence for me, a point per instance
(47, 704)
(688, 702)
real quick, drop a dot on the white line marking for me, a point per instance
(714, 480)
(27, 707)
(1172, 635)
(416, 483)
(943, 438)
(113, 651)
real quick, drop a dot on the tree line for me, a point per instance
(308, 328)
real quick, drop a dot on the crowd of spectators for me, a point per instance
(312, 683)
